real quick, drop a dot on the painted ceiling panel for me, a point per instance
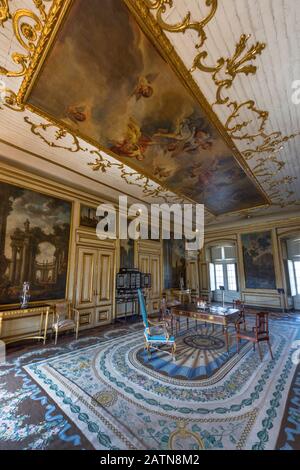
(131, 102)
(275, 164)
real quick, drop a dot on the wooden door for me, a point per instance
(144, 263)
(105, 277)
(86, 277)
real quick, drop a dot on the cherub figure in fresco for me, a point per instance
(204, 173)
(162, 172)
(200, 140)
(134, 145)
(188, 138)
(144, 88)
(77, 113)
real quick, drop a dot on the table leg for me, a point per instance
(46, 325)
(41, 324)
(226, 338)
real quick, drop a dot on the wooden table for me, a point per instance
(43, 311)
(213, 315)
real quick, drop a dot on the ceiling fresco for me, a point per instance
(105, 80)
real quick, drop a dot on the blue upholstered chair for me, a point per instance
(159, 337)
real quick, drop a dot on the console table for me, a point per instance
(43, 311)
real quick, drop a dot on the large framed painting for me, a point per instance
(104, 79)
(258, 260)
(34, 244)
(174, 263)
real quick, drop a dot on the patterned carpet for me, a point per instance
(105, 393)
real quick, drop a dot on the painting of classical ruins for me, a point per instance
(34, 244)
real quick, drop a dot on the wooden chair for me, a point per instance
(238, 304)
(259, 333)
(165, 312)
(66, 318)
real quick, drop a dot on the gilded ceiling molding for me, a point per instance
(60, 134)
(261, 171)
(10, 101)
(280, 195)
(231, 67)
(162, 6)
(102, 164)
(56, 136)
(283, 181)
(133, 178)
(33, 30)
(240, 63)
(271, 144)
(4, 12)
(223, 73)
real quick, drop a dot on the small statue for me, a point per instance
(25, 295)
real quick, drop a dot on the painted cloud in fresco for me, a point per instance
(104, 78)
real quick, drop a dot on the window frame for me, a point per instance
(297, 276)
(224, 262)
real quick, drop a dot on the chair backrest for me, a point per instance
(143, 308)
(63, 309)
(239, 304)
(262, 323)
(163, 307)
